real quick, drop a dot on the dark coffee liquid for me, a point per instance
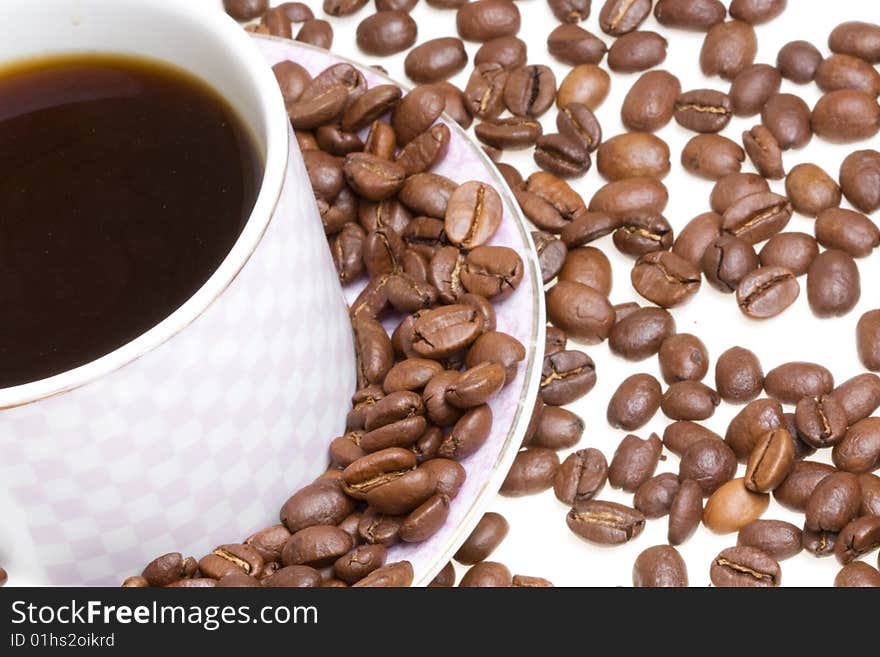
(124, 183)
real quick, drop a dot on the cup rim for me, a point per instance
(278, 143)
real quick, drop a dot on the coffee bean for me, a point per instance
(764, 152)
(697, 15)
(732, 507)
(435, 60)
(859, 174)
(562, 156)
(727, 261)
(379, 529)
(859, 397)
(859, 451)
(484, 20)
(641, 334)
(660, 566)
(580, 477)
(682, 357)
(582, 312)
(570, 11)
(634, 403)
(788, 118)
(316, 32)
(798, 61)
(712, 156)
(752, 422)
(507, 51)
(733, 187)
(795, 491)
(525, 581)
(573, 45)
(633, 155)
(386, 33)
(482, 541)
(549, 202)
(449, 475)
(728, 49)
(846, 115)
(819, 543)
(766, 292)
(320, 503)
(532, 471)
(577, 122)
(703, 110)
(586, 227)
(847, 72)
(654, 497)
(753, 87)
(468, 434)
(500, 348)
(665, 279)
(868, 339)
(739, 377)
(292, 79)
(811, 190)
(343, 7)
(689, 400)
(790, 382)
(425, 520)
(757, 11)
(415, 113)
(821, 421)
(476, 386)
(558, 428)
(315, 546)
(605, 523)
(618, 17)
(588, 266)
(397, 574)
(136, 582)
(441, 332)
(685, 512)
(857, 574)
(745, 567)
(696, 236)
(870, 487)
(643, 234)
(834, 502)
(637, 51)
(359, 563)
(848, 231)
(487, 574)
(245, 10)
(529, 91)
(778, 539)
(833, 284)
(857, 538)
(709, 462)
(771, 461)
(510, 133)
(650, 103)
(634, 462)
(757, 217)
(858, 39)
(566, 377)
(586, 84)
(492, 271)
(445, 578)
(792, 251)
(167, 569)
(679, 436)
(631, 197)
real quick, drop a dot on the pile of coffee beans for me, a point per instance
(788, 412)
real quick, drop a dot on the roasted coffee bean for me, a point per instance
(562, 156)
(753, 421)
(798, 61)
(320, 503)
(696, 236)
(396, 5)
(511, 175)
(771, 461)
(811, 190)
(454, 104)
(859, 397)
(558, 428)
(650, 103)
(589, 266)
(347, 249)
(552, 254)
(343, 7)
(870, 487)
(425, 520)
(484, 20)
(411, 374)
(790, 382)
(509, 133)
(435, 60)
(487, 574)
(586, 84)
(778, 539)
(167, 569)
(484, 93)
(577, 122)
(634, 462)
(398, 574)
(136, 582)
(468, 434)
(794, 492)
(423, 152)
(821, 421)
(709, 462)
(492, 272)
(507, 51)
(359, 563)
(443, 331)
(293, 577)
(859, 176)
(532, 471)
(379, 529)
(525, 581)
(728, 49)
(868, 339)
(764, 152)
(685, 513)
(316, 546)
(373, 350)
(745, 567)
(549, 202)
(570, 11)
(292, 79)
(857, 574)
(641, 334)
(317, 32)
(381, 140)
(857, 538)
(445, 578)
(787, 117)
(582, 312)
(589, 226)
(245, 10)
(439, 410)
(630, 197)
(269, 542)
(757, 11)
(476, 386)
(307, 114)
(733, 187)
(679, 436)
(573, 45)
(386, 33)
(276, 23)
(703, 110)
(712, 156)
(645, 234)
(665, 279)
(619, 17)
(833, 284)
(727, 261)
(659, 566)
(689, 400)
(654, 497)
(682, 357)
(848, 231)
(847, 72)
(444, 272)
(757, 217)
(834, 502)
(605, 523)
(753, 87)
(858, 39)
(482, 541)
(449, 475)
(690, 14)
(332, 139)
(846, 115)
(529, 91)
(766, 292)
(859, 451)
(732, 507)
(372, 177)
(634, 403)
(819, 543)
(346, 449)
(567, 376)
(633, 155)
(792, 251)
(637, 51)
(383, 250)
(415, 113)
(555, 341)
(580, 477)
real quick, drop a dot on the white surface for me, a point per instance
(539, 542)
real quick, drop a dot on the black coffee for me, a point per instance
(123, 185)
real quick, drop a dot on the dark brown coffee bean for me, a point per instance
(435, 60)
(703, 110)
(566, 377)
(764, 152)
(441, 332)
(332, 139)
(834, 502)
(552, 253)
(660, 566)
(665, 279)
(386, 33)
(643, 234)
(846, 115)
(637, 51)
(383, 250)
(167, 569)
(316, 32)
(712, 156)
(685, 513)
(529, 91)
(798, 61)
(425, 520)
(555, 342)
(423, 152)
(507, 51)
(582, 312)
(811, 190)
(372, 177)
(790, 382)
(558, 428)
(833, 284)
(733, 187)
(857, 538)
(859, 451)
(510, 133)
(343, 7)
(727, 261)
(359, 563)
(857, 574)
(468, 434)
(586, 84)
(752, 422)
(549, 202)
(634, 462)
(316, 546)
(641, 334)
(532, 472)
(792, 251)
(753, 87)
(415, 113)
(562, 156)
(449, 475)
(484, 20)
(678, 436)
(821, 421)
(654, 497)
(757, 11)
(482, 541)
(487, 574)
(868, 339)
(633, 155)
(454, 103)
(445, 578)
(577, 122)
(859, 397)
(859, 176)
(780, 540)
(381, 140)
(709, 462)
(245, 10)
(847, 72)
(766, 292)
(320, 503)
(848, 231)
(819, 543)
(293, 577)
(586, 227)
(473, 214)
(870, 487)
(770, 462)
(570, 11)
(858, 39)
(292, 79)
(690, 14)
(689, 400)
(347, 249)
(573, 45)
(307, 114)
(580, 477)
(745, 567)
(682, 357)
(757, 217)
(605, 523)
(728, 49)
(732, 507)
(484, 93)
(476, 386)
(634, 403)
(631, 197)
(794, 492)
(398, 574)
(619, 17)
(396, 5)
(739, 376)
(787, 117)
(650, 103)
(696, 236)
(379, 529)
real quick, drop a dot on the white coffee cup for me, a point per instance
(193, 434)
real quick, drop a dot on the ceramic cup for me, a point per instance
(191, 434)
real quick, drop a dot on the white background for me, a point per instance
(539, 542)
